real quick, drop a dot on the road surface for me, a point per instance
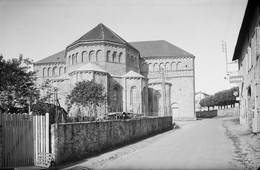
(196, 145)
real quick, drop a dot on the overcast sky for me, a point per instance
(40, 28)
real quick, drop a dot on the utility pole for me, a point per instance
(162, 73)
(224, 49)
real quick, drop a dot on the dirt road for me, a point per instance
(196, 145)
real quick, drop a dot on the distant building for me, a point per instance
(152, 78)
(198, 97)
(247, 52)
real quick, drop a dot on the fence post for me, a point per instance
(47, 132)
(36, 138)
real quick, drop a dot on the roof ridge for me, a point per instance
(102, 29)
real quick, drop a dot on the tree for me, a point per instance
(221, 98)
(87, 94)
(17, 84)
(57, 113)
(207, 102)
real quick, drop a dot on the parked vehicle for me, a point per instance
(119, 115)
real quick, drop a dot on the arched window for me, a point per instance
(133, 95)
(173, 66)
(55, 72)
(179, 66)
(70, 60)
(135, 61)
(73, 59)
(92, 56)
(49, 72)
(84, 56)
(65, 69)
(60, 71)
(155, 67)
(108, 54)
(150, 67)
(116, 94)
(44, 72)
(99, 55)
(167, 66)
(162, 66)
(76, 58)
(114, 57)
(120, 57)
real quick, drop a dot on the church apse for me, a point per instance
(130, 73)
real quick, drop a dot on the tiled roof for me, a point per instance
(159, 48)
(101, 33)
(251, 12)
(55, 58)
(132, 73)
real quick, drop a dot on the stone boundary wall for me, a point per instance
(234, 112)
(230, 112)
(75, 141)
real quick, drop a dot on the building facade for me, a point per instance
(198, 97)
(151, 78)
(247, 52)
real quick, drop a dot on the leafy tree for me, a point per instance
(87, 94)
(221, 98)
(17, 84)
(207, 102)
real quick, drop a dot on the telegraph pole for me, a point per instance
(224, 49)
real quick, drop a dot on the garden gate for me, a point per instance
(23, 138)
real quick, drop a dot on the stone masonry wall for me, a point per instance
(234, 112)
(75, 141)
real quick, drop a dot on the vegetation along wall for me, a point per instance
(75, 141)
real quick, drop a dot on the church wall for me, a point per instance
(115, 93)
(102, 78)
(179, 72)
(85, 54)
(132, 60)
(145, 97)
(110, 57)
(115, 60)
(48, 71)
(182, 96)
(133, 91)
(156, 99)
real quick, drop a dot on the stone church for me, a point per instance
(150, 78)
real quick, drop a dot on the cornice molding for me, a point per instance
(165, 57)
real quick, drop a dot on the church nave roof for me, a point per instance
(159, 48)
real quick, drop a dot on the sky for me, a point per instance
(40, 28)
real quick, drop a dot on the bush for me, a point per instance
(41, 108)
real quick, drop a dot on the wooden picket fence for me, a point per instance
(24, 137)
(41, 131)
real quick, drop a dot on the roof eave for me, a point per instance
(243, 33)
(48, 63)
